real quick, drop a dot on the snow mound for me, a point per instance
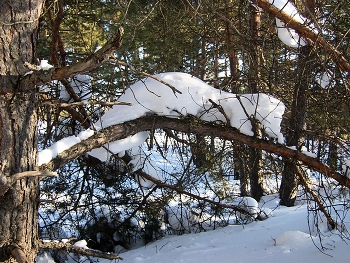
(250, 205)
(81, 244)
(292, 238)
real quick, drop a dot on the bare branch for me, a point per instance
(145, 74)
(92, 62)
(176, 189)
(316, 198)
(101, 56)
(19, 255)
(103, 103)
(7, 181)
(21, 175)
(79, 250)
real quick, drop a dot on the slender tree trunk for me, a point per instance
(18, 131)
(255, 155)
(241, 163)
(231, 53)
(294, 136)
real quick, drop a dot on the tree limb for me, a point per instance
(70, 104)
(7, 181)
(188, 125)
(21, 175)
(92, 62)
(305, 32)
(41, 77)
(175, 90)
(19, 255)
(160, 184)
(79, 250)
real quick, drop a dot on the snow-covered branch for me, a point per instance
(305, 31)
(188, 125)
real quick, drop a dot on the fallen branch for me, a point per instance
(78, 250)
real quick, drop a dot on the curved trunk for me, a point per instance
(18, 132)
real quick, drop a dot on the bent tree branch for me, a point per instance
(41, 77)
(188, 125)
(306, 32)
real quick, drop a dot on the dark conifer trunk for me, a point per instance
(18, 131)
(255, 155)
(294, 136)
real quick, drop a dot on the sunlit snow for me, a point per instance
(284, 237)
(288, 35)
(149, 96)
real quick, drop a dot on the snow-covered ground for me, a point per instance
(283, 237)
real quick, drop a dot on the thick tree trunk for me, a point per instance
(18, 132)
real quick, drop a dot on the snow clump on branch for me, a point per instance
(149, 96)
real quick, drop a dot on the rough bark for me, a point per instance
(19, 182)
(18, 136)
